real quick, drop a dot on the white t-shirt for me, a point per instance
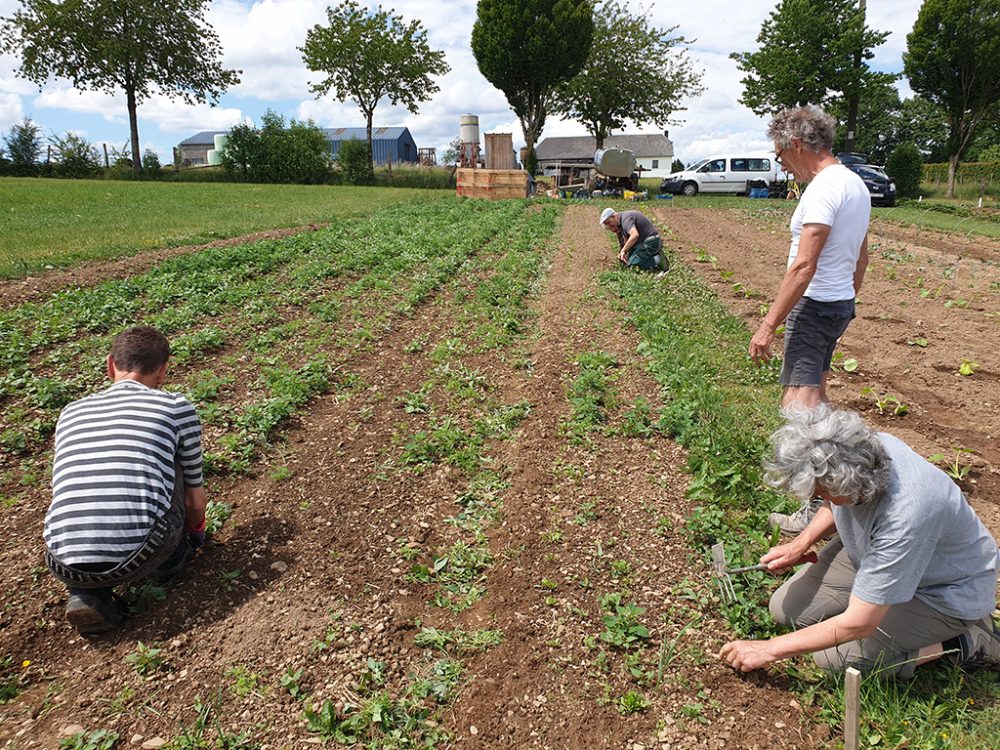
(838, 199)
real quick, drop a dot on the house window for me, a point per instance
(656, 163)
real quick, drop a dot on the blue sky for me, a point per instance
(261, 38)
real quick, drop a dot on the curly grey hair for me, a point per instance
(811, 125)
(831, 448)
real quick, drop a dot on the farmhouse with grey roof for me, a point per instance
(654, 153)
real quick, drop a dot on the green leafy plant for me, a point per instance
(99, 739)
(290, 681)
(280, 474)
(919, 341)
(216, 515)
(12, 680)
(245, 682)
(968, 367)
(145, 660)
(622, 628)
(886, 402)
(632, 702)
(955, 467)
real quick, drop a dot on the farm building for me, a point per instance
(654, 153)
(394, 143)
(387, 143)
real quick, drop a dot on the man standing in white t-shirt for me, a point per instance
(826, 263)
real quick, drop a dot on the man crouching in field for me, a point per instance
(639, 242)
(127, 494)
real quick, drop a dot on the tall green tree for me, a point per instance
(807, 56)
(613, 87)
(527, 48)
(986, 142)
(369, 56)
(953, 61)
(924, 124)
(139, 47)
(878, 122)
(24, 147)
(278, 153)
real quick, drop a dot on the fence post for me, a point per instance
(852, 701)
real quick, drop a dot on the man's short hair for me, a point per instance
(142, 349)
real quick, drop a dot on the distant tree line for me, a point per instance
(298, 152)
(26, 153)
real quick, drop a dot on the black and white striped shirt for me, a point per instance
(114, 470)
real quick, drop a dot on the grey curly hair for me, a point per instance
(831, 448)
(811, 125)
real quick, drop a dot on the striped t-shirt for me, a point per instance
(114, 469)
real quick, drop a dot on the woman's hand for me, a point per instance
(747, 656)
(786, 555)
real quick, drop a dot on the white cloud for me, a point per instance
(64, 96)
(11, 111)
(262, 38)
(174, 116)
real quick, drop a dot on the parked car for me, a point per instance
(879, 184)
(728, 173)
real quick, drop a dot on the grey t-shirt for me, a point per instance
(638, 220)
(920, 540)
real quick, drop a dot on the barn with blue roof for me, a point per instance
(395, 144)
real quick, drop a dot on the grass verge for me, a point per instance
(61, 222)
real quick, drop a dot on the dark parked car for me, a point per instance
(879, 184)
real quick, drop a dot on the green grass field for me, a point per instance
(61, 222)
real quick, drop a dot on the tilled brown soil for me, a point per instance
(920, 285)
(310, 572)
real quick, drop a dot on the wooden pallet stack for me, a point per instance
(492, 184)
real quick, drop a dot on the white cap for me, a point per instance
(606, 214)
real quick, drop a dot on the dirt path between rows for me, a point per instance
(929, 302)
(541, 690)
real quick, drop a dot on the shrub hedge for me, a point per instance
(984, 173)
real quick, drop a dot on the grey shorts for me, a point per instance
(811, 332)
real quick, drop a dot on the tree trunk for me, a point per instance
(952, 168)
(133, 128)
(371, 156)
(852, 102)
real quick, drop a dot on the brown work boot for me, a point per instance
(95, 612)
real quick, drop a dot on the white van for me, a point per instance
(731, 173)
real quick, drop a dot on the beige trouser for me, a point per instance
(823, 589)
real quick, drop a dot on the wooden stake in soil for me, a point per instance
(852, 701)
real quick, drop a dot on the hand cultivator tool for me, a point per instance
(722, 573)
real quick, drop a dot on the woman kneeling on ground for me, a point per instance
(912, 575)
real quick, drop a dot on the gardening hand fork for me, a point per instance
(722, 573)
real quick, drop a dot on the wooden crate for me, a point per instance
(500, 151)
(492, 184)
